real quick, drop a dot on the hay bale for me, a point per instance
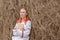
(44, 15)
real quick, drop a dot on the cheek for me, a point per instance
(24, 14)
(21, 13)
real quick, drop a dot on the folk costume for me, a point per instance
(22, 34)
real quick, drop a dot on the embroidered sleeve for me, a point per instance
(27, 29)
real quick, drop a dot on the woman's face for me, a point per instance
(23, 13)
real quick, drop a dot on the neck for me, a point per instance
(23, 18)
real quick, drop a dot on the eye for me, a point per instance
(22, 12)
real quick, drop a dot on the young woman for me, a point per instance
(22, 28)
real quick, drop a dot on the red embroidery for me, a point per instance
(22, 33)
(25, 20)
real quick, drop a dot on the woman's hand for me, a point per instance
(21, 28)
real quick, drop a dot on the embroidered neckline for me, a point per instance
(25, 20)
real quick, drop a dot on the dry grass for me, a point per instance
(44, 14)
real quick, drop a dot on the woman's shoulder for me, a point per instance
(29, 21)
(18, 21)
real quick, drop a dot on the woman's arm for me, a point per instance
(27, 29)
(17, 32)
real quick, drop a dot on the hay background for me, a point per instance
(44, 14)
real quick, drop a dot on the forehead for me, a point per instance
(23, 10)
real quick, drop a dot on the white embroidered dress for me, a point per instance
(18, 33)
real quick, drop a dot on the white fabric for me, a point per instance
(18, 33)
